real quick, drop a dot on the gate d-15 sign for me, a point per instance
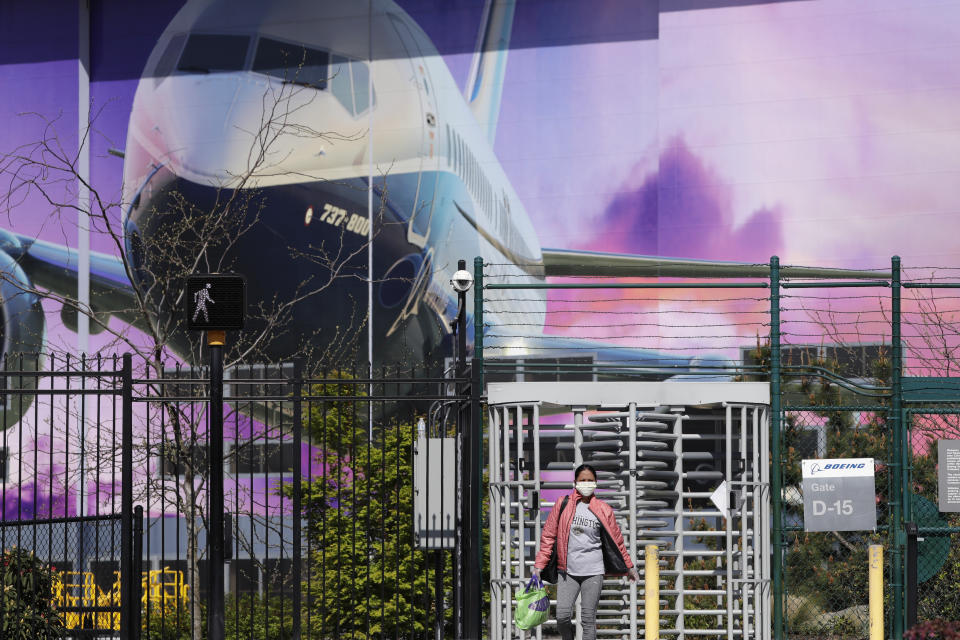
(839, 495)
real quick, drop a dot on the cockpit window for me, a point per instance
(346, 78)
(168, 59)
(340, 83)
(361, 86)
(206, 53)
(350, 84)
(292, 62)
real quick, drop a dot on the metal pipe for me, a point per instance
(630, 285)
(742, 514)
(632, 498)
(297, 609)
(931, 285)
(898, 451)
(535, 416)
(912, 534)
(759, 622)
(837, 284)
(765, 515)
(577, 435)
(728, 524)
(651, 594)
(876, 592)
(137, 586)
(776, 461)
(215, 611)
(496, 424)
(679, 540)
(127, 563)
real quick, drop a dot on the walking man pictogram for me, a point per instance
(200, 300)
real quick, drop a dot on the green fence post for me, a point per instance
(898, 454)
(478, 315)
(776, 463)
(476, 421)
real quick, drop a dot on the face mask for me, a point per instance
(586, 489)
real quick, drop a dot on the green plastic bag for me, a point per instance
(533, 605)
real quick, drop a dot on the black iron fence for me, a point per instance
(62, 483)
(319, 496)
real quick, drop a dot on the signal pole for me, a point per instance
(215, 613)
(215, 303)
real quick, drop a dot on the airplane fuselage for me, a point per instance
(289, 167)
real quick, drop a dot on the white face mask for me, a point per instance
(586, 488)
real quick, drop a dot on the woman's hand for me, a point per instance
(633, 575)
(535, 573)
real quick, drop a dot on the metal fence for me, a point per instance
(825, 574)
(850, 356)
(330, 475)
(934, 538)
(65, 482)
(104, 478)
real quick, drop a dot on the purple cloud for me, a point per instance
(684, 209)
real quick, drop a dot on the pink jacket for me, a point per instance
(556, 533)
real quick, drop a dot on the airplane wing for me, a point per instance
(55, 267)
(570, 262)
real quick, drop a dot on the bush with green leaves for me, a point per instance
(167, 620)
(27, 611)
(253, 616)
(934, 630)
(366, 579)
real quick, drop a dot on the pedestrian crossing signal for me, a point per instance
(216, 302)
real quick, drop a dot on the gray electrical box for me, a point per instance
(435, 492)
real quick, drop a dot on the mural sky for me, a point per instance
(824, 131)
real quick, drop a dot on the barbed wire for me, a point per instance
(621, 325)
(635, 313)
(651, 298)
(671, 326)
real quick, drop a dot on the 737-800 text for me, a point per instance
(341, 218)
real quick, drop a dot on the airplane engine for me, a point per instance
(22, 330)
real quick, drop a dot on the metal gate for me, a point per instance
(670, 457)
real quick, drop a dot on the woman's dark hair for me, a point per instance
(584, 467)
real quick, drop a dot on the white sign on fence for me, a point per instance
(839, 494)
(948, 464)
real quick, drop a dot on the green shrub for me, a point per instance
(934, 630)
(26, 598)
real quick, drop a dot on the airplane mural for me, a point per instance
(196, 114)
(814, 158)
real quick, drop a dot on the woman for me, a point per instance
(584, 534)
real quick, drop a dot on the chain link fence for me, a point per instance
(826, 573)
(938, 538)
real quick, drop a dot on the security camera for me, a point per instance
(462, 280)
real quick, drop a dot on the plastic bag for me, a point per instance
(533, 605)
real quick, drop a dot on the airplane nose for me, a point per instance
(222, 126)
(197, 125)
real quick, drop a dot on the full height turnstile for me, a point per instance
(685, 465)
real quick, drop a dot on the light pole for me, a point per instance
(468, 598)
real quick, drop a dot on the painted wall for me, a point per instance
(824, 131)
